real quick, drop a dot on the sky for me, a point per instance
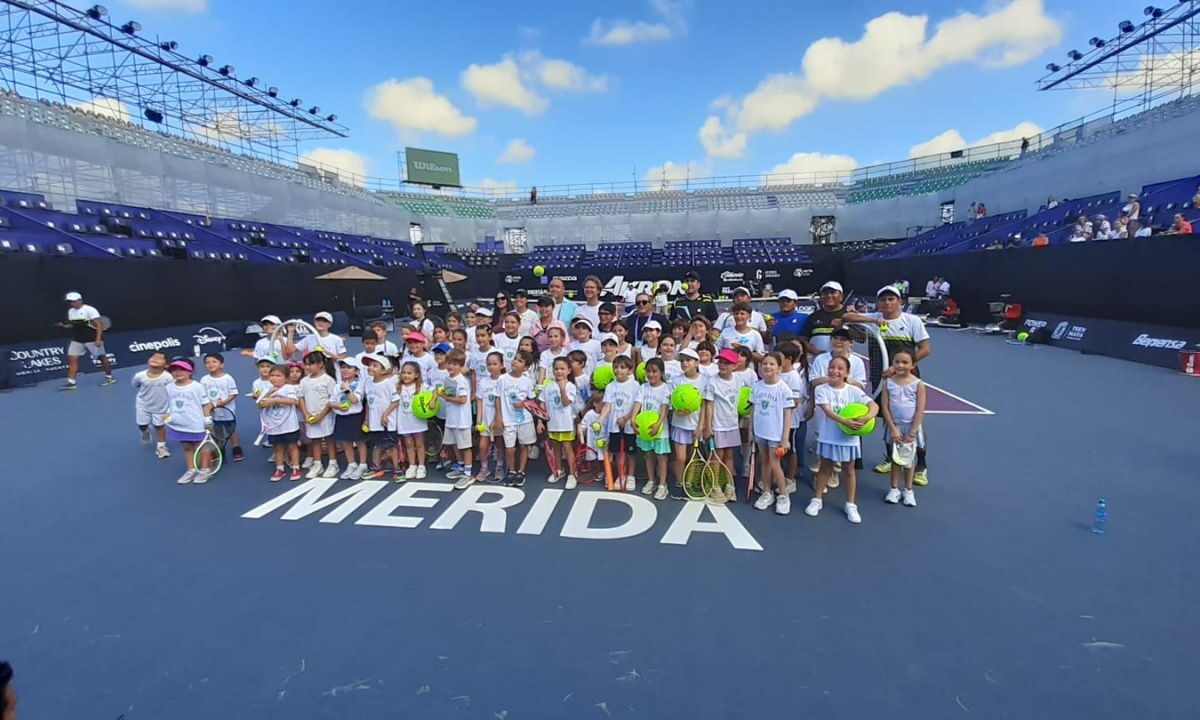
(550, 93)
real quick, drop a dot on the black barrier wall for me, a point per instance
(1140, 280)
(141, 295)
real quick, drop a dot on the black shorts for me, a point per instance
(381, 439)
(290, 438)
(626, 442)
(348, 428)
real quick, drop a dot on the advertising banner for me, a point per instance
(1140, 342)
(714, 281)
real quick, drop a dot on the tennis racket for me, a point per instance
(209, 446)
(105, 322)
(586, 471)
(868, 343)
(608, 470)
(693, 480)
(433, 441)
(621, 467)
(750, 474)
(722, 478)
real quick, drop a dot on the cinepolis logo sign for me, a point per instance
(499, 508)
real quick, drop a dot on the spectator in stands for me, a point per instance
(691, 305)
(528, 314)
(1040, 240)
(1181, 226)
(725, 320)
(413, 297)
(533, 195)
(8, 696)
(789, 320)
(1121, 230)
(642, 314)
(814, 335)
(564, 309)
(1051, 203)
(1196, 198)
(1082, 230)
(1103, 228)
(1133, 211)
(590, 307)
(943, 289)
(931, 288)
(500, 308)
(980, 211)
(1144, 231)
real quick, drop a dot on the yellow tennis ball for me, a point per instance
(601, 443)
(312, 419)
(539, 270)
(366, 428)
(596, 427)
(481, 428)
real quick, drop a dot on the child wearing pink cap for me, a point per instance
(415, 351)
(189, 417)
(721, 420)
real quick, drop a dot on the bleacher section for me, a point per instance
(435, 205)
(673, 254)
(919, 182)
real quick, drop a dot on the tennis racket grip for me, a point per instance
(750, 474)
(608, 471)
(621, 467)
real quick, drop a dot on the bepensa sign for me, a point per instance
(1139, 342)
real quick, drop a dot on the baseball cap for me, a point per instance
(729, 356)
(73, 297)
(691, 275)
(484, 311)
(832, 285)
(888, 289)
(327, 317)
(350, 362)
(741, 289)
(377, 358)
(652, 325)
(519, 293)
(414, 337)
(609, 338)
(545, 300)
(582, 321)
(180, 365)
(441, 347)
(273, 319)
(264, 359)
(788, 295)
(690, 353)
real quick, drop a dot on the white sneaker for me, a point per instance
(331, 470)
(314, 470)
(852, 513)
(814, 507)
(910, 498)
(662, 492)
(648, 488)
(358, 472)
(420, 472)
(348, 472)
(764, 501)
(783, 505)
(730, 493)
(186, 478)
(202, 476)
(791, 486)
(553, 478)
(146, 436)
(464, 482)
(307, 463)
(630, 484)
(892, 497)
(162, 452)
(410, 473)
(571, 482)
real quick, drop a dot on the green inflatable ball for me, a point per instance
(640, 372)
(686, 397)
(425, 404)
(743, 402)
(603, 376)
(644, 421)
(856, 410)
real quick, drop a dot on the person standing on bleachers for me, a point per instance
(1133, 212)
(691, 305)
(87, 337)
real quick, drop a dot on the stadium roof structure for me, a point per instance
(53, 52)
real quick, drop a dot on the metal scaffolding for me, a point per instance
(55, 53)
(1142, 64)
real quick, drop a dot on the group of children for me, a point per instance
(496, 394)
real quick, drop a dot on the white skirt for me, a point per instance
(839, 453)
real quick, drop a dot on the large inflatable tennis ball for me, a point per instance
(603, 376)
(743, 402)
(644, 421)
(1022, 336)
(425, 404)
(539, 270)
(640, 371)
(686, 397)
(856, 410)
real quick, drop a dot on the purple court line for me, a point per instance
(943, 402)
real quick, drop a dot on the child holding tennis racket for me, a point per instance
(410, 428)
(188, 420)
(903, 407)
(281, 422)
(686, 424)
(317, 392)
(770, 428)
(721, 419)
(222, 395)
(150, 406)
(347, 407)
(616, 417)
(487, 395)
(561, 396)
(261, 385)
(833, 445)
(655, 396)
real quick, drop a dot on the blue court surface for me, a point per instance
(125, 595)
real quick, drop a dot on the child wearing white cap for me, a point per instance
(581, 330)
(265, 347)
(324, 341)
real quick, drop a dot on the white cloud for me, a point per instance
(669, 174)
(802, 167)
(412, 104)
(518, 151)
(349, 165)
(952, 139)
(497, 187)
(233, 126)
(195, 6)
(501, 84)
(565, 75)
(718, 143)
(1176, 69)
(629, 32)
(107, 107)
(894, 50)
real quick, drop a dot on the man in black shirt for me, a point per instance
(814, 335)
(691, 305)
(643, 314)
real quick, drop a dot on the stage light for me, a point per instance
(273, 91)
(295, 102)
(96, 12)
(332, 118)
(1075, 55)
(227, 70)
(314, 110)
(251, 82)
(1125, 27)
(131, 27)
(153, 116)
(169, 46)
(205, 60)
(1052, 67)
(1096, 42)
(1153, 12)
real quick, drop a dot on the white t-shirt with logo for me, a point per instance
(378, 396)
(591, 348)
(437, 379)
(621, 396)
(152, 392)
(769, 403)
(561, 416)
(513, 390)
(281, 419)
(906, 328)
(799, 387)
(820, 368)
(477, 361)
(508, 346)
(332, 345)
(356, 405)
(488, 389)
(836, 398)
(458, 416)
(723, 394)
(219, 388)
(653, 398)
(318, 392)
(756, 322)
(547, 358)
(427, 363)
(688, 421)
(403, 421)
(186, 407)
(749, 338)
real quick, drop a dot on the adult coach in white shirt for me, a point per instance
(87, 337)
(590, 307)
(725, 319)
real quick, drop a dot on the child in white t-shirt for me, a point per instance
(222, 395)
(771, 425)
(835, 446)
(456, 395)
(317, 389)
(686, 424)
(150, 406)
(556, 333)
(722, 422)
(189, 417)
(666, 353)
(348, 419)
(409, 428)
(741, 334)
(591, 433)
(795, 374)
(487, 394)
(262, 384)
(616, 418)
(280, 420)
(378, 391)
(655, 446)
(581, 329)
(513, 390)
(583, 378)
(560, 397)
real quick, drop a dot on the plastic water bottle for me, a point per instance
(345, 400)
(1101, 519)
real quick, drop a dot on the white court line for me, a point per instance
(979, 409)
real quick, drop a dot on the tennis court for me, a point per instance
(127, 595)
